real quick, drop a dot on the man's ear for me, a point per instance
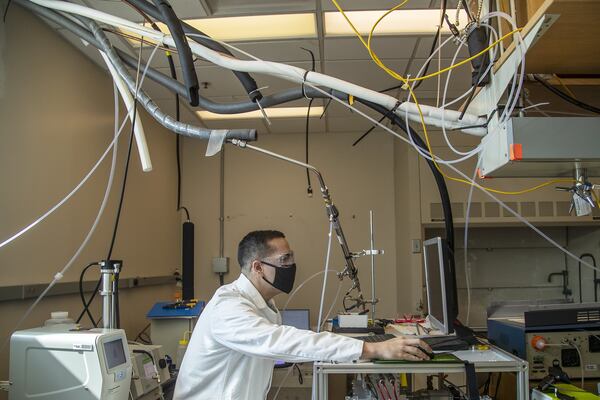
(256, 266)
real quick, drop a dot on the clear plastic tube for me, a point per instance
(78, 186)
(466, 246)
(487, 71)
(325, 277)
(284, 71)
(59, 275)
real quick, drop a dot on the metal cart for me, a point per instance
(492, 360)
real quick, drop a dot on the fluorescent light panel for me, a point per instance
(254, 27)
(275, 112)
(399, 22)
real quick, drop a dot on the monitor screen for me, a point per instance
(298, 319)
(115, 353)
(441, 287)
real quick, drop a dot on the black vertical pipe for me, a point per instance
(187, 260)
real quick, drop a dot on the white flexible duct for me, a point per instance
(432, 115)
(138, 129)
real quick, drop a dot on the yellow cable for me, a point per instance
(412, 94)
(596, 198)
(394, 74)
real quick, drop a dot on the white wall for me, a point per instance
(56, 109)
(263, 193)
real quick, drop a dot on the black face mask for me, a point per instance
(284, 277)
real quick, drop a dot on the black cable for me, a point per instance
(439, 178)
(221, 279)
(497, 386)
(245, 79)
(6, 11)
(309, 187)
(357, 141)
(566, 97)
(433, 46)
(141, 332)
(117, 219)
(300, 378)
(309, 190)
(82, 296)
(468, 11)
(472, 94)
(183, 50)
(177, 139)
(392, 111)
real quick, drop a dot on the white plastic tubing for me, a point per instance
(59, 275)
(431, 115)
(452, 167)
(138, 129)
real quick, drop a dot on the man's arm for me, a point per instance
(401, 348)
(237, 325)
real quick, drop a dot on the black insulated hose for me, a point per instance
(183, 50)
(245, 79)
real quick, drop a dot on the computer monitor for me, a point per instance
(298, 318)
(441, 286)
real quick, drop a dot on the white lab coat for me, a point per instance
(236, 340)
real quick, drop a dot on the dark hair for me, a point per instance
(255, 245)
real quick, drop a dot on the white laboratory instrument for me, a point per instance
(62, 362)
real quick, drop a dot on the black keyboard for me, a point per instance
(376, 338)
(447, 343)
(437, 343)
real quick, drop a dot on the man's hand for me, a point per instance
(400, 348)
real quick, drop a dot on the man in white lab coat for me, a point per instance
(239, 334)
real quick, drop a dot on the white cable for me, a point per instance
(522, 48)
(80, 184)
(117, 131)
(535, 106)
(531, 105)
(333, 271)
(287, 72)
(101, 17)
(60, 274)
(580, 363)
(466, 246)
(468, 92)
(325, 277)
(337, 293)
(140, 137)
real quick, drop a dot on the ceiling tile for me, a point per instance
(116, 7)
(460, 77)
(222, 82)
(448, 51)
(297, 125)
(373, 4)
(385, 47)
(365, 72)
(281, 50)
(188, 8)
(352, 123)
(245, 7)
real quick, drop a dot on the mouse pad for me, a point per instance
(441, 358)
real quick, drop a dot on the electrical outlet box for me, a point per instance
(220, 265)
(415, 245)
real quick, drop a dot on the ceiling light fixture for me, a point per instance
(275, 112)
(252, 27)
(399, 22)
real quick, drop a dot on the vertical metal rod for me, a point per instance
(107, 299)
(373, 299)
(222, 206)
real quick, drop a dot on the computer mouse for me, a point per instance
(429, 354)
